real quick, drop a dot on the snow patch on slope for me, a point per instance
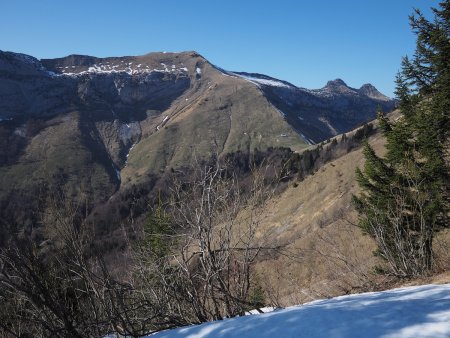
(128, 131)
(117, 171)
(412, 312)
(332, 130)
(308, 141)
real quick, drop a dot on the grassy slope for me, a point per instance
(326, 254)
(221, 114)
(59, 151)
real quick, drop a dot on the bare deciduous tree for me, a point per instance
(58, 288)
(194, 263)
(215, 229)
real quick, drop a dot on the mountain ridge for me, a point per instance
(128, 118)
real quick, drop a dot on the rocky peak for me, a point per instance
(369, 90)
(336, 83)
(372, 92)
(336, 87)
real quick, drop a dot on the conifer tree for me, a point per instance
(404, 198)
(158, 230)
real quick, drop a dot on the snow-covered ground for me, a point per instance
(421, 311)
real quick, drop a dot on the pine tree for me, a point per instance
(157, 231)
(404, 198)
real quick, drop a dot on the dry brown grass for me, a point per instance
(325, 253)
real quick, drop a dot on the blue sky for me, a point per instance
(303, 42)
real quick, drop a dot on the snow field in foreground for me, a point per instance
(419, 311)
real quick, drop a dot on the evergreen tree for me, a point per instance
(404, 198)
(157, 233)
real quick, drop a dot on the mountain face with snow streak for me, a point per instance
(321, 113)
(109, 123)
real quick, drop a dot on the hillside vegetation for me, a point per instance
(161, 191)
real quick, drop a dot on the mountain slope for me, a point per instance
(322, 113)
(314, 220)
(95, 125)
(219, 114)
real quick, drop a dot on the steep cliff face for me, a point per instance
(95, 125)
(28, 90)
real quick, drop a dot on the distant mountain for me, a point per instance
(98, 125)
(319, 114)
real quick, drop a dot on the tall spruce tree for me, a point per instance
(404, 198)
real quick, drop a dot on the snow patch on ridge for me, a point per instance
(262, 80)
(121, 68)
